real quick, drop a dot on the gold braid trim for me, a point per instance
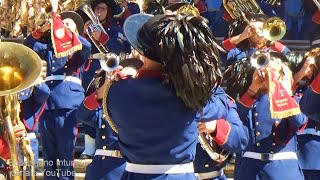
(105, 105)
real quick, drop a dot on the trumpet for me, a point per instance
(108, 61)
(260, 59)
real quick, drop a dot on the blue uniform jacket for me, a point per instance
(155, 126)
(235, 141)
(308, 141)
(267, 135)
(32, 104)
(63, 94)
(106, 168)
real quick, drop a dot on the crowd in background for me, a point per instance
(296, 13)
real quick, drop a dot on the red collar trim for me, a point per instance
(151, 73)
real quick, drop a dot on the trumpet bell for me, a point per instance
(274, 29)
(20, 68)
(109, 62)
(259, 59)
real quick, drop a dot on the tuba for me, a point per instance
(108, 60)
(273, 29)
(20, 68)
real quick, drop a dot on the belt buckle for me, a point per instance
(116, 153)
(266, 156)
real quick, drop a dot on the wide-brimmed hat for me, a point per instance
(132, 27)
(76, 18)
(110, 3)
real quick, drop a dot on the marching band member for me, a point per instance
(107, 162)
(115, 42)
(244, 39)
(235, 141)
(162, 100)
(32, 104)
(272, 124)
(309, 138)
(59, 43)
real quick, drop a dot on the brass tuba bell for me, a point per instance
(274, 29)
(20, 68)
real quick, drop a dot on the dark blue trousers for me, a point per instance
(58, 130)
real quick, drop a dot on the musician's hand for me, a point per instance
(86, 26)
(258, 81)
(96, 35)
(19, 130)
(45, 27)
(209, 127)
(247, 33)
(305, 71)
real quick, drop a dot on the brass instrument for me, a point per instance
(20, 68)
(260, 59)
(107, 60)
(188, 9)
(317, 3)
(273, 29)
(315, 55)
(210, 146)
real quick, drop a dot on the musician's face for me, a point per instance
(257, 38)
(70, 24)
(101, 10)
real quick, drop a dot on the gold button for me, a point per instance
(104, 147)
(65, 66)
(53, 67)
(271, 152)
(103, 116)
(51, 82)
(258, 144)
(258, 133)
(277, 122)
(255, 114)
(273, 144)
(207, 165)
(103, 126)
(53, 61)
(103, 157)
(22, 93)
(273, 133)
(103, 137)
(254, 105)
(257, 123)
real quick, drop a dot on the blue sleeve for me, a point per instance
(310, 103)
(34, 44)
(87, 116)
(116, 45)
(238, 136)
(216, 108)
(243, 112)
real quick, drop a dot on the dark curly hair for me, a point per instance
(186, 48)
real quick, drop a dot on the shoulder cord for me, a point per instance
(105, 106)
